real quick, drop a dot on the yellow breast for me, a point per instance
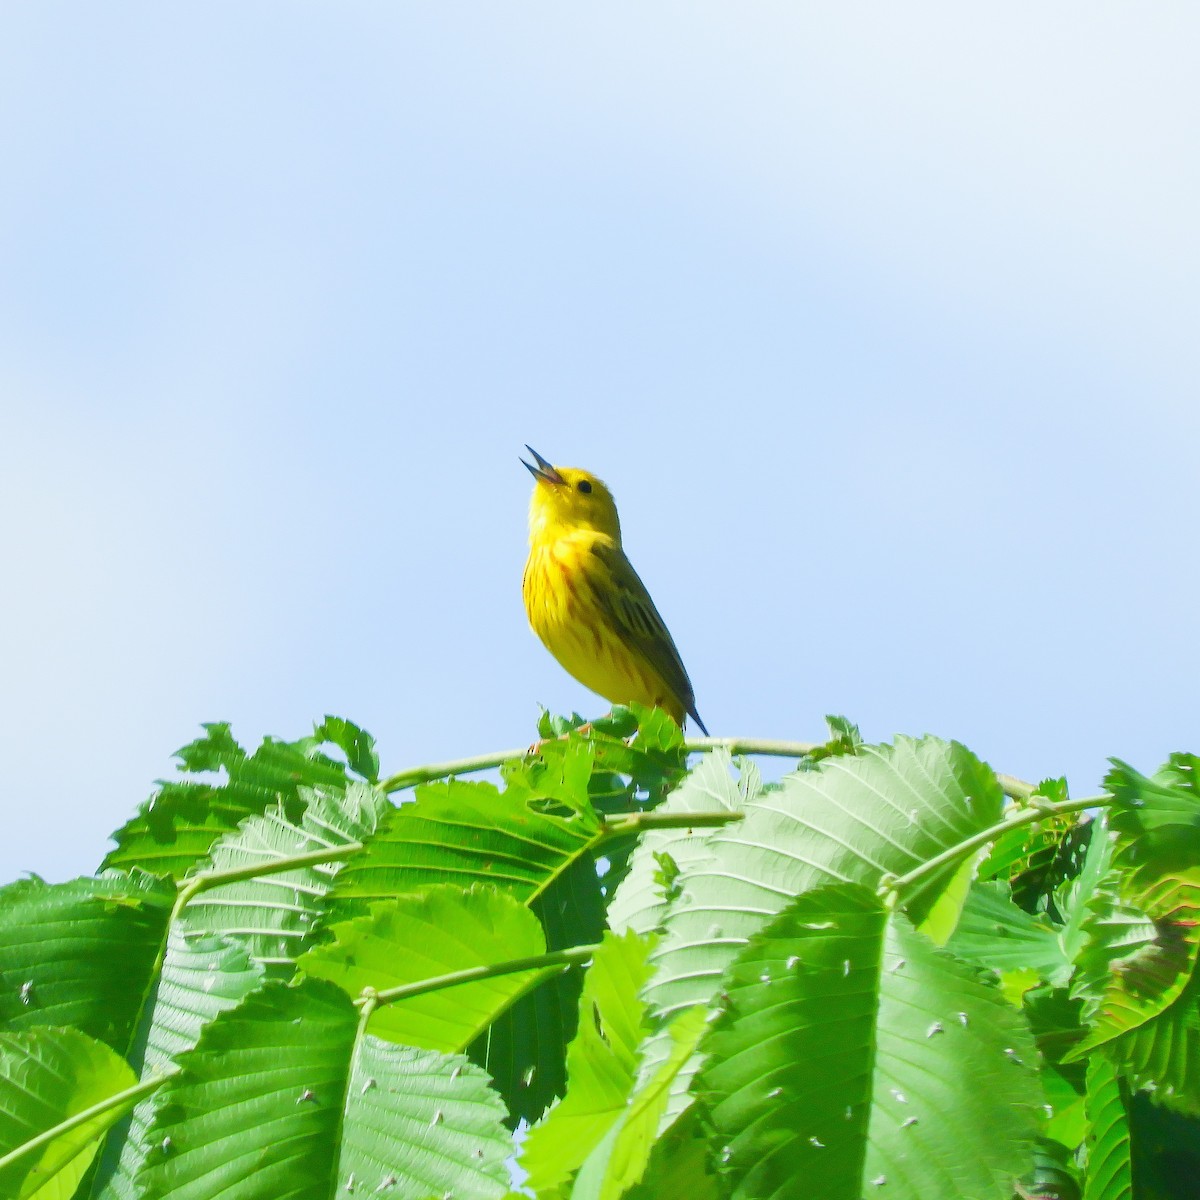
(564, 603)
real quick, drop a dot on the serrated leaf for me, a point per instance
(354, 742)
(855, 1052)
(178, 825)
(1109, 1169)
(1146, 983)
(1056, 1019)
(80, 953)
(282, 1098)
(1163, 1053)
(200, 978)
(519, 839)
(46, 1076)
(423, 936)
(525, 1050)
(1035, 859)
(533, 841)
(844, 738)
(274, 916)
(994, 933)
(1147, 1015)
(679, 1167)
(601, 1064)
(1075, 898)
(428, 1120)
(620, 1159)
(217, 750)
(1066, 1113)
(256, 1108)
(1158, 818)
(1053, 1176)
(638, 753)
(946, 911)
(640, 901)
(852, 819)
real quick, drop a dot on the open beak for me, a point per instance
(543, 471)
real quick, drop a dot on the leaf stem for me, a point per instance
(117, 1100)
(615, 825)
(1018, 789)
(189, 889)
(620, 824)
(767, 747)
(555, 958)
(457, 766)
(1017, 818)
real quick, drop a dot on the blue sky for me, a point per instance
(881, 326)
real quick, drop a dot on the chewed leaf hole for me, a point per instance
(548, 806)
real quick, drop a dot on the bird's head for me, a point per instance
(566, 498)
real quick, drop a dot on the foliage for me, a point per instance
(877, 976)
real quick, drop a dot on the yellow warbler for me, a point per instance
(587, 603)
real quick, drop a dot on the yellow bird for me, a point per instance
(586, 602)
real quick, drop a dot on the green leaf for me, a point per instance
(994, 933)
(1109, 1171)
(256, 1108)
(80, 953)
(1053, 1176)
(274, 916)
(679, 1167)
(178, 825)
(620, 1160)
(638, 753)
(1113, 931)
(601, 1064)
(1147, 1016)
(1163, 1052)
(1158, 818)
(1146, 983)
(1056, 1019)
(1035, 859)
(282, 1098)
(418, 937)
(428, 1120)
(1066, 1112)
(525, 1050)
(47, 1076)
(519, 839)
(1076, 897)
(640, 902)
(534, 840)
(855, 1052)
(946, 911)
(852, 819)
(357, 745)
(200, 978)
(844, 738)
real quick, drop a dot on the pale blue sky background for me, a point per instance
(881, 322)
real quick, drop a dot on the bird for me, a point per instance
(587, 604)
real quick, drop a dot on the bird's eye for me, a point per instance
(584, 486)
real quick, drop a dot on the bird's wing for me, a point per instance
(623, 598)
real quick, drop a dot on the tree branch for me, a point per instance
(1018, 789)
